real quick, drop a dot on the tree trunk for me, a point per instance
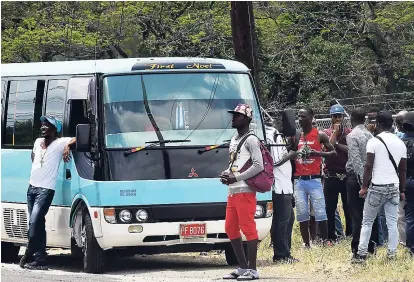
(245, 39)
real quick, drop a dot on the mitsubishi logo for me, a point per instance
(193, 173)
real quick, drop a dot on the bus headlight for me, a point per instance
(141, 215)
(269, 209)
(109, 215)
(125, 216)
(259, 211)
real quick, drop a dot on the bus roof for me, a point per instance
(106, 66)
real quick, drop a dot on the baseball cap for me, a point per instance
(385, 117)
(243, 109)
(52, 120)
(409, 118)
(337, 109)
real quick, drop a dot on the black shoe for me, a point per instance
(36, 265)
(24, 260)
(286, 260)
(358, 259)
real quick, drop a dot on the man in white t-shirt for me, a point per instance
(47, 154)
(387, 165)
(282, 197)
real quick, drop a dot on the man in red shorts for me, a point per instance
(241, 202)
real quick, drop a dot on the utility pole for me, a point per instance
(244, 38)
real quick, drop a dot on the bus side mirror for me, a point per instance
(289, 124)
(83, 142)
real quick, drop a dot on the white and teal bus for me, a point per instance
(143, 178)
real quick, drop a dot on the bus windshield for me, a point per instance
(188, 106)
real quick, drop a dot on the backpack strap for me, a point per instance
(238, 148)
(389, 154)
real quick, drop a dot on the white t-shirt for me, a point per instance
(45, 175)
(283, 174)
(383, 170)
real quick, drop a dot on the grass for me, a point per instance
(334, 263)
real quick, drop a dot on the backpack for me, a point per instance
(263, 181)
(409, 143)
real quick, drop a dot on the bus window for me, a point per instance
(56, 97)
(20, 113)
(3, 99)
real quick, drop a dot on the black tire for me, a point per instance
(231, 257)
(75, 250)
(94, 258)
(9, 252)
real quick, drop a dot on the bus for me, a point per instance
(152, 139)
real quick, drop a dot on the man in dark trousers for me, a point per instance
(308, 184)
(282, 196)
(408, 139)
(241, 201)
(335, 171)
(357, 143)
(47, 154)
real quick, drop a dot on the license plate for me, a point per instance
(193, 230)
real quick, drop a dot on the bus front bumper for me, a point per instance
(167, 234)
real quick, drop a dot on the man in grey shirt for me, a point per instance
(357, 142)
(241, 202)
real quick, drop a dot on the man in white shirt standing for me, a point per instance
(282, 197)
(387, 164)
(46, 157)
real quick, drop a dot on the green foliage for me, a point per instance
(308, 51)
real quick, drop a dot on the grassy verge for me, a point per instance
(334, 263)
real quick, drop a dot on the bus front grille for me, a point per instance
(15, 223)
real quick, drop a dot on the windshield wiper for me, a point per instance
(212, 147)
(152, 144)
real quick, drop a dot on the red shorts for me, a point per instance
(240, 212)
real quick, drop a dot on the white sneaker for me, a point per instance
(235, 274)
(250, 274)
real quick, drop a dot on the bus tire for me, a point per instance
(94, 258)
(231, 257)
(75, 250)
(9, 252)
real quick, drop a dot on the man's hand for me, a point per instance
(363, 192)
(228, 179)
(66, 154)
(336, 128)
(402, 196)
(314, 153)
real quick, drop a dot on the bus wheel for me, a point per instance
(231, 257)
(94, 257)
(9, 252)
(75, 250)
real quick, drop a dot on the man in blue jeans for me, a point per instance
(386, 164)
(408, 139)
(46, 157)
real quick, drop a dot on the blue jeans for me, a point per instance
(409, 214)
(309, 189)
(38, 203)
(389, 197)
(382, 227)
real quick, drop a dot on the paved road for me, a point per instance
(159, 268)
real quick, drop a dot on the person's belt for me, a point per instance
(307, 177)
(341, 176)
(385, 185)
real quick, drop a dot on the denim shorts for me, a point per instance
(312, 190)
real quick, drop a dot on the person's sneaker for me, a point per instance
(391, 257)
(24, 260)
(328, 243)
(36, 266)
(306, 246)
(235, 274)
(358, 259)
(286, 260)
(250, 274)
